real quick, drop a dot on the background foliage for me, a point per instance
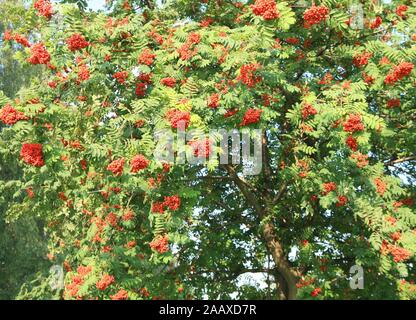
(22, 244)
(336, 105)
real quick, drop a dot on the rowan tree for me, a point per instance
(333, 97)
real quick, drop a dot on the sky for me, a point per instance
(99, 4)
(96, 4)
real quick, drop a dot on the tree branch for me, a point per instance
(245, 189)
(400, 160)
(279, 195)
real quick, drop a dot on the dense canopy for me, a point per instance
(332, 88)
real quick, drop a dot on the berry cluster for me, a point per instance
(251, 116)
(353, 124)
(160, 244)
(44, 8)
(83, 73)
(178, 117)
(361, 159)
(308, 110)
(399, 72)
(169, 82)
(266, 9)
(399, 254)
(76, 42)
(170, 202)
(116, 167)
(247, 74)
(139, 162)
(39, 54)
(342, 201)
(120, 295)
(376, 23)
(201, 148)
(352, 143)
(401, 10)
(121, 76)
(362, 59)
(18, 38)
(32, 154)
(393, 103)
(214, 100)
(381, 186)
(104, 282)
(188, 49)
(315, 15)
(146, 57)
(328, 187)
(71, 289)
(9, 115)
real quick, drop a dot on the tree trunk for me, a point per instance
(286, 278)
(287, 283)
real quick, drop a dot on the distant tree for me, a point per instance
(13, 76)
(22, 242)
